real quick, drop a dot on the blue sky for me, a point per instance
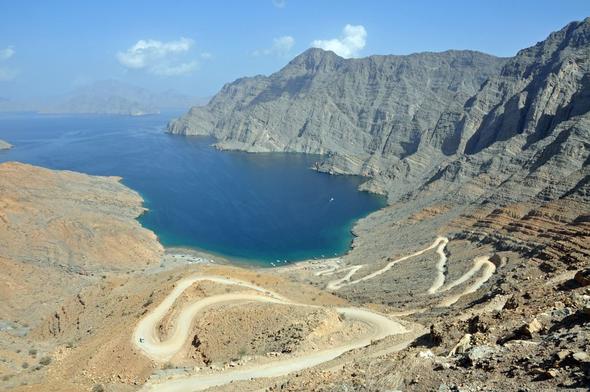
(51, 47)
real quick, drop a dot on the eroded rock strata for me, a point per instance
(76, 221)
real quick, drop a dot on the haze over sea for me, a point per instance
(256, 207)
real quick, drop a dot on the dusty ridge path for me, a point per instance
(479, 263)
(345, 281)
(161, 351)
(146, 329)
(441, 267)
(438, 284)
(482, 262)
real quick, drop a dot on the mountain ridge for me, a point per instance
(109, 96)
(309, 73)
(421, 121)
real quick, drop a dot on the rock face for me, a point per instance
(5, 145)
(458, 125)
(556, 234)
(322, 103)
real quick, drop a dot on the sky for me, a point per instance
(49, 48)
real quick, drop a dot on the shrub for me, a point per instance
(45, 361)
(33, 351)
(25, 365)
(97, 388)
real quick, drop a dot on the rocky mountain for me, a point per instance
(322, 103)
(455, 125)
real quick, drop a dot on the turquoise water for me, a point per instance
(257, 207)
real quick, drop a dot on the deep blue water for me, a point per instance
(257, 207)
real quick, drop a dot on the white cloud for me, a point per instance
(279, 3)
(351, 42)
(206, 55)
(281, 46)
(160, 58)
(7, 73)
(7, 53)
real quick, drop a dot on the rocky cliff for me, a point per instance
(464, 124)
(322, 103)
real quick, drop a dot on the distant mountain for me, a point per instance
(107, 97)
(10, 105)
(114, 97)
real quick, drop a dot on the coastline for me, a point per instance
(339, 238)
(189, 255)
(193, 252)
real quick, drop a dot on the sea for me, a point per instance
(254, 208)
